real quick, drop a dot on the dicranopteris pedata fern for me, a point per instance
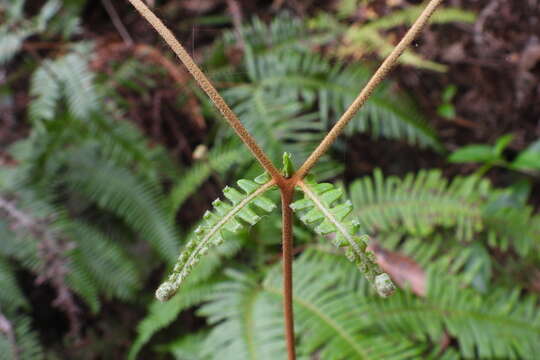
(246, 208)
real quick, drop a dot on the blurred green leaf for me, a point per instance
(449, 93)
(529, 159)
(473, 153)
(447, 111)
(502, 143)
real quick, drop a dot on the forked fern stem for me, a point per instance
(207, 86)
(286, 183)
(366, 92)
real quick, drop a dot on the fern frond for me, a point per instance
(329, 317)
(502, 324)
(46, 13)
(46, 91)
(11, 296)
(227, 216)
(511, 226)
(197, 288)
(114, 273)
(284, 86)
(418, 203)
(321, 213)
(24, 344)
(69, 77)
(161, 315)
(421, 203)
(366, 37)
(11, 43)
(78, 82)
(83, 284)
(135, 201)
(189, 347)
(248, 325)
(219, 160)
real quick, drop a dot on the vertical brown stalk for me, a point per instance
(287, 245)
(286, 185)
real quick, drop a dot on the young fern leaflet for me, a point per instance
(241, 211)
(226, 216)
(320, 212)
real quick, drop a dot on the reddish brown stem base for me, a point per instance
(287, 245)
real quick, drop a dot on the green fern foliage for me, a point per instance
(161, 315)
(23, 342)
(13, 31)
(321, 212)
(248, 325)
(418, 203)
(218, 160)
(301, 93)
(67, 77)
(132, 199)
(226, 216)
(422, 204)
(197, 287)
(329, 316)
(503, 324)
(11, 296)
(363, 38)
(190, 347)
(110, 268)
(334, 322)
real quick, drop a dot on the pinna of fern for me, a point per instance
(226, 216)
(425, 203)
(285, 82)
(326, 217)
(336, 320)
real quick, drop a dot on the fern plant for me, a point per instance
(90, 192)
(359, 39)
(85, 187)
(299, 92)
(331, 217)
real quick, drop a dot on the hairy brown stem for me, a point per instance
(287, 245)
(208, 88)
(286, 186)
(366, 92)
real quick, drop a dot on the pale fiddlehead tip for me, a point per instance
(384, 285)
(165, 291)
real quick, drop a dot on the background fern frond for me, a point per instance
(112, 270)
(135, 201)
(25, 346)
(198, 286)
(418, 203)
(501, 325)
(366, 37)
(285, 85)
(189, 347)
(247, 325)
(11, 296)
(160, 315)
(218, 160)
